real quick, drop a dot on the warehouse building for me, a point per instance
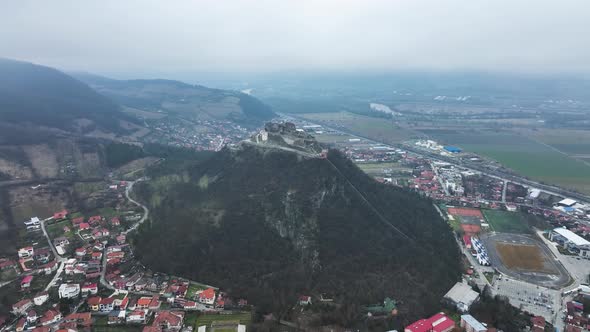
(461, 296)
(571, 241)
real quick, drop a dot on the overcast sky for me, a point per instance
(144, 36)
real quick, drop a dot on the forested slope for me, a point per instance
(269, 225)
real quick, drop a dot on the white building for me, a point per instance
(470, 324)
(26, 252)
(571, 241)
(68, 291)
(461, 296)
(41, 298)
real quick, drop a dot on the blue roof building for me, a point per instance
(452, 149)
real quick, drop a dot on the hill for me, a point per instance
(178, 98)
(48, 101)
(268, 223)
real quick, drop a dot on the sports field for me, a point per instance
(521, 257)
(239, 318)
(506, 222)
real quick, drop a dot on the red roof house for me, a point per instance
(60, 214)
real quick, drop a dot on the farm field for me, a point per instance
(525, 156)
(506, 222)
(521, 257)
(377, 129)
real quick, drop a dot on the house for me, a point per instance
(25, 283)
(26, 252)
(136, 317)
(94, 303)
(121, 239)
(41, 298)
(49, 268)
(115, 221)
(32, 317)
(107, 304)
(20, 307)
(61, 241)
(84, 226)
(538, 324)
(207, 296)
(97, 233)
(41, 329)
(60, 214)
(68, 291)
(80, 319)
(51, 316)
(304, 300)
(189, 305)
(437, 323)
(462, 296)
(154, 303)
(168, 320)
(116, 317)
(96, 255)
(470, 324)
(94, 219)
(20, 325)
(78, 221)
(81, 252)
(42, 255)
(89, 289)
(143, 303)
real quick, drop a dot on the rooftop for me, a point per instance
(572, 237)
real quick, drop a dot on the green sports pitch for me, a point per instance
(506, 222)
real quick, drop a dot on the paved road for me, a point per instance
(59, 259)
(146, 211)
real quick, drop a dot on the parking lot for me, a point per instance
(533, 299)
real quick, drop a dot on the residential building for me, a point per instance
(68, 291)
(470, 324)
(207, 296)
(136, 317)
(21, 307)
(26, 252)
(169, 320)
(41, 298)
(51, 316)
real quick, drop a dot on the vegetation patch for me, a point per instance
(506, 222)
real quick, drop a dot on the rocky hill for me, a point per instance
(268, 222)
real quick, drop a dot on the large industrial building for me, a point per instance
(571, 241)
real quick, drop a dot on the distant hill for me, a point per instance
(270, 224)
(174, 97)
(45, 98)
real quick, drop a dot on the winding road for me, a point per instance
(146, 213)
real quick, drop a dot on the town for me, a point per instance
(78, 271)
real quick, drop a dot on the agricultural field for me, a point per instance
(521, 257)
(524, 155)
(379, 129)
(506, 222)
